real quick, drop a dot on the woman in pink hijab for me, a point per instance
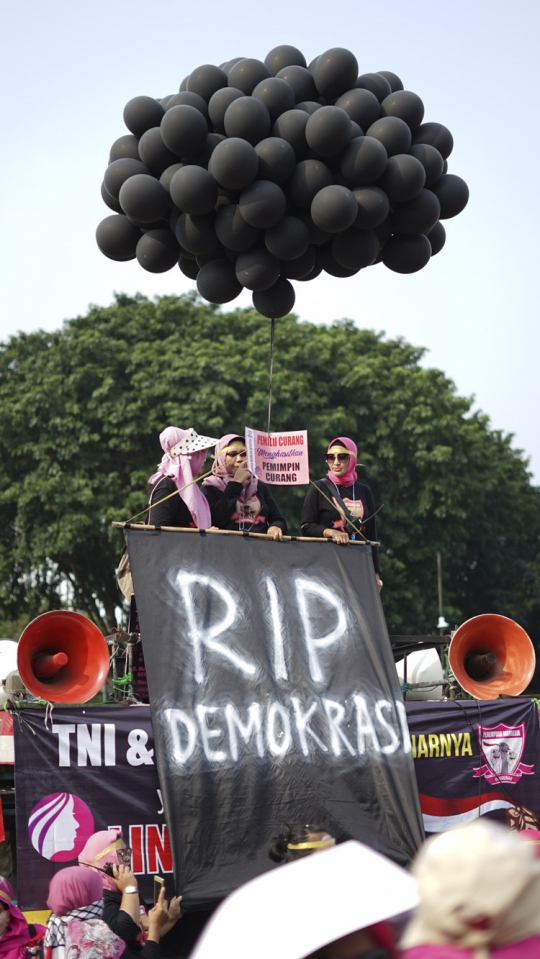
(14, 931)
(179, 468)
(339, 507)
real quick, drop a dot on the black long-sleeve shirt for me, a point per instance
(318, 514)
(173, 512)
(256, 516)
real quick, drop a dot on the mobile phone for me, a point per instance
(158, 886)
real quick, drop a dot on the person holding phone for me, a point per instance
(237, 499)
(339, 507)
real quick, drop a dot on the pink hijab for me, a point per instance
(220, 474)
(17, 932)
(72, 888)
(98, 851)
(183, 469)
(350, 476)
(526, 949)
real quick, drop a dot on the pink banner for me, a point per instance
(278, 458)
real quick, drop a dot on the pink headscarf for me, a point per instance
(220, 474)
(17, 932)
(72, 888)
(98, 851)
(526, 949)
(183, 469)
(348, 478)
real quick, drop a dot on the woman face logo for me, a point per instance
(59, 826)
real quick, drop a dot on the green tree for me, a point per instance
(81, 410)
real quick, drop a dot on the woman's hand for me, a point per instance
(275, 532)
(337, 535)
(123, 877)
(379, 582)
(175, 913)
(158, 917)
(241, 475)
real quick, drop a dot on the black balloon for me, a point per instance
(141, 113)
(262, 204)
(437, 136)
(393, 79)
(117, 238)
(316, 236)
(364, 161)
(219, 104)
(335, 72)
(405, 105)
(452, 193)
(277, 159)
(257, 269)
(437, 238)
(158, 251)
(111, 201)
(247, 73)
(393, 133)
(196, 234)
(334, 208)
(212, 140)
(248, 119)
(328, 131)
(301, 81)
(194, 190)
(233, 231)
(217, 254)
(154, 153)
(308, 178)
(406, 254)
(276, 94)
(403, 178)
(190, 99)
(287, 240)
(126, 146)
(299, 268)
(277, 301)
(227, 67)
(217, 282)
(355, 249)
(316, 271)
(417, 216)
(308, 106)
(206, 80)
(189, 267)
(234, 163)
(327, 261)
(431, 160)
(119, 171)
(291, 126)
(143, 198)
(373, 207)
(376, 84)
(284, 56)
(184, 130)
(361, 105)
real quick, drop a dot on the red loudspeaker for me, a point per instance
(490, 656)
(62, 657)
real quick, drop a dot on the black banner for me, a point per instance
(88, 768)
(274, 699)
(477, 758)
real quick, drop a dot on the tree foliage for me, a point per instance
(81, 410)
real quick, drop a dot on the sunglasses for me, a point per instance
(340, 457)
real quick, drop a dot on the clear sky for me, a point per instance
(69, 68)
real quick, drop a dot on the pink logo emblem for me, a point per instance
(502, 747)
(59, 826)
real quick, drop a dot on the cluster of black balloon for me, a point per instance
(256, 174)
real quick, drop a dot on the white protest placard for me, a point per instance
(279, 459)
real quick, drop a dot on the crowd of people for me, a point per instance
(471, 893)
(337, 507)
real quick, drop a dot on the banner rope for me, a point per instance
(271, 373)
(340, 511)
(169, 496)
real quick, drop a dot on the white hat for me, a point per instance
(192, 443)
(295, 909)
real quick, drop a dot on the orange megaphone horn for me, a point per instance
(62, 657)
(490, 656)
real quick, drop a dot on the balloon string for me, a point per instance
(272, 327)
